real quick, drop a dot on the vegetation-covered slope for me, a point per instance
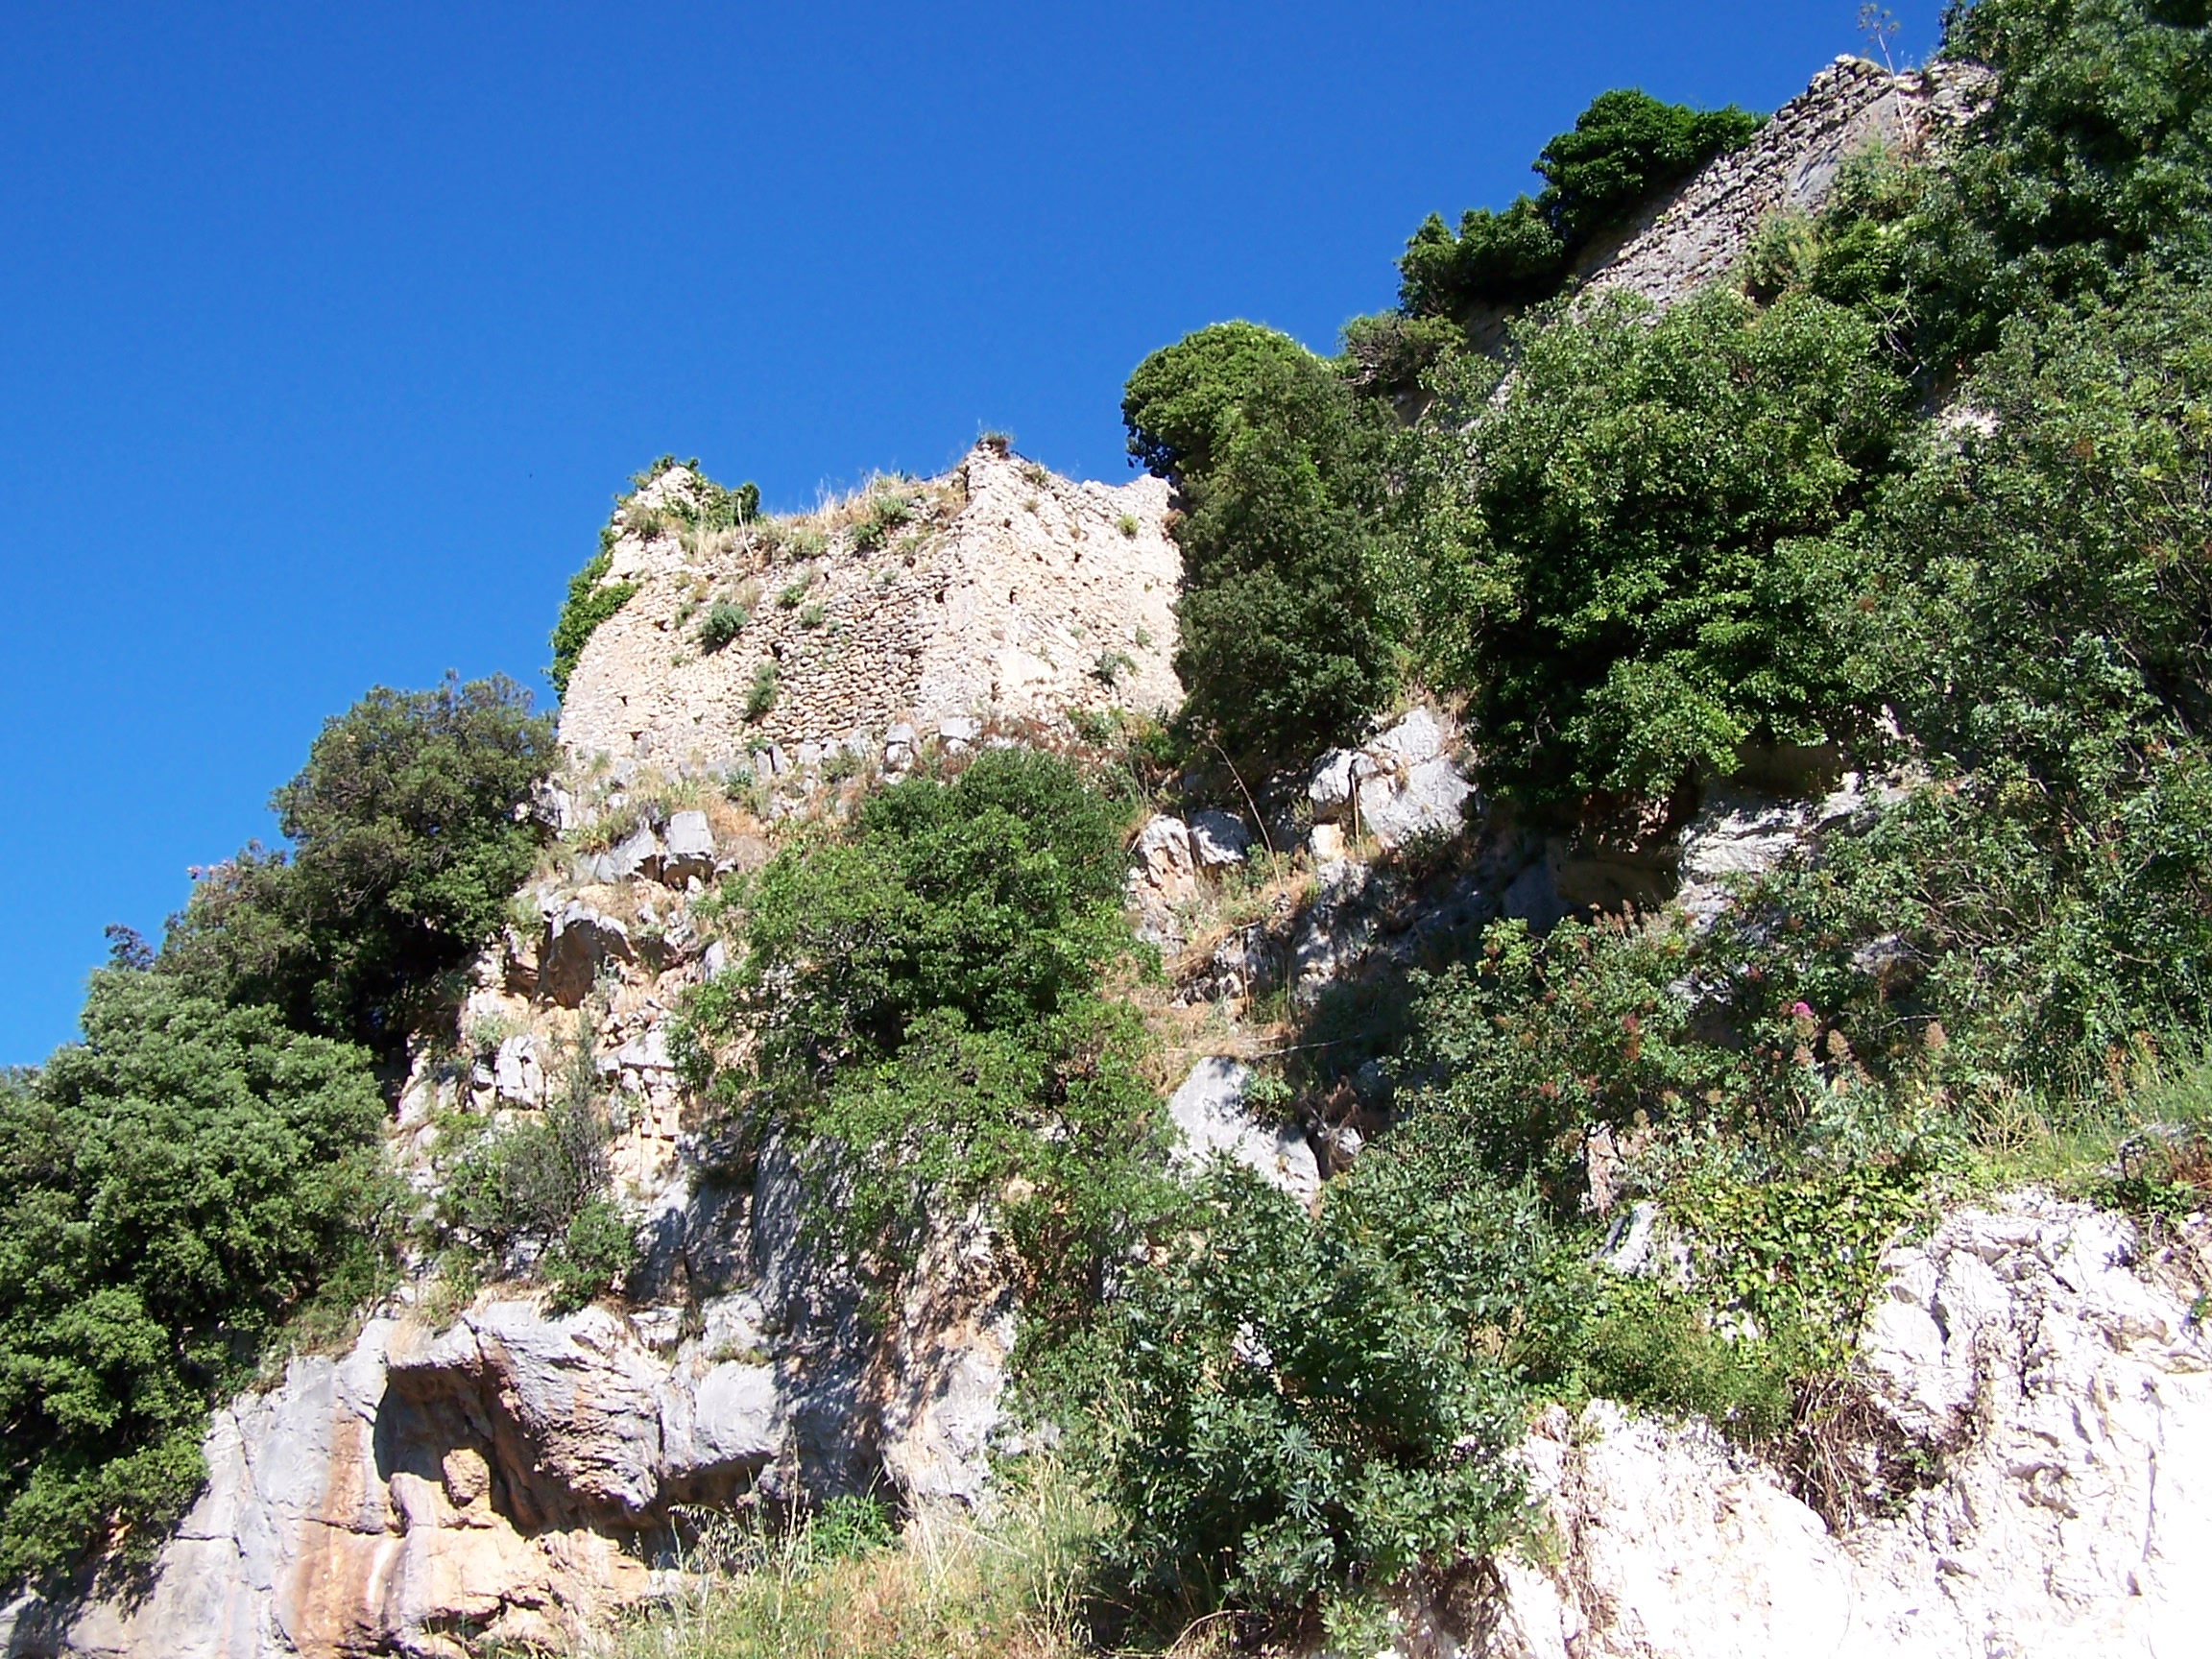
(1927, 491)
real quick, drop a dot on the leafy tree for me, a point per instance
(410, 831)
(1283, 646)
(2089, 170)
(174, 1188)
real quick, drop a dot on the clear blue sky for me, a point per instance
(326, 332)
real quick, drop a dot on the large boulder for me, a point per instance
(1210, 1121)
(2045, 1366)
(580, 941)
(687, 848)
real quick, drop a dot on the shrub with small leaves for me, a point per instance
(723, 624)
(760, 696)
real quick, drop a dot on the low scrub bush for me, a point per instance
(536, 1189)
(884, 512)
(724, 622)
(761, 695)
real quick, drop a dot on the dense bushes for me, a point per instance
(925, 992)
(409, 830)
(1656, 508)
(172, 1191)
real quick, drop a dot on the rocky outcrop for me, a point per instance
(2048, 1365)
(1211, 1121)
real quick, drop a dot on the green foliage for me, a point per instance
(1651, 533)
(2055, 598)
(995, 895)
(725, 620)
(538, 1187)
(1623, 149)
(1315, 1407)
(1283, 644)
(594, 1251)
(2093, 161)
(924, 990)
(761, 695)
(885, 512)
(591, 600)
(176, 1188)
(410, 831)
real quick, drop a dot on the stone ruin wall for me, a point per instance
(1014, 593)
(1696, 235)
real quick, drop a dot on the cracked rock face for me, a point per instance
(2059, 1370)
(509, 1478)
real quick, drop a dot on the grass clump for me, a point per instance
(884, 512)
(837, 1584)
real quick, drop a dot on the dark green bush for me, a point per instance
(1623, 149)
(995, 896)
(172, 1191)
(410, 831)
(1283, 644)
(924, 987)
(1319, 1407)
(2054, 604)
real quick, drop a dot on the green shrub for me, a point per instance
(724, 622)
(813, 615)
(2050, 609)
(409, 830)
(591, 600)
(995, 895)
(760, 696)
(1317, 1407)
(592, 1255)
(177, 1188)
(885, 513)
(1623, 149)
(1657, 540)
(922, 989)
